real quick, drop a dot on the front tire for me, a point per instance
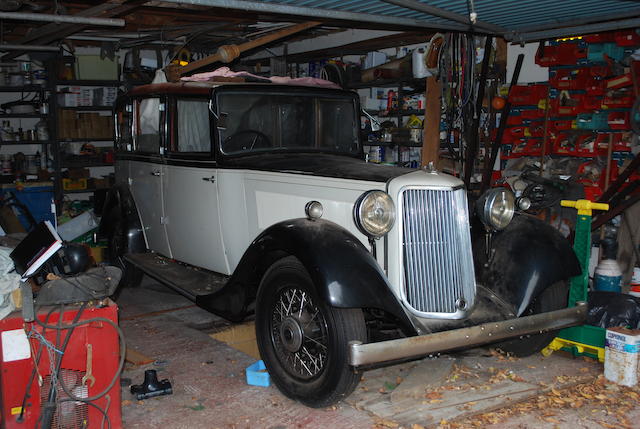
(117, 248)
(304, 342)
(552, 298)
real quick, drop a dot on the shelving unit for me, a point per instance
(61, 163)
(399, 85)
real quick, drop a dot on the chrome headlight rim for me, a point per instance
(496, 208)
(364, 223)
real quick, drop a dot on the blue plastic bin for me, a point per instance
(36, 198)
(257, 374)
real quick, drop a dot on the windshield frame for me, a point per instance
(284, 90)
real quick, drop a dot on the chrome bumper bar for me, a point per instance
(387, 351)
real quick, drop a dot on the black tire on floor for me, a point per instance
(117, 248)
(302, 340)
(553, 298)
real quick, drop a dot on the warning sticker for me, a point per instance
(15, 345)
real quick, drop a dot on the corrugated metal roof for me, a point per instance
(521, 19)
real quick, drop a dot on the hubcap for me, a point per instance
(291, 334)
(299, 333)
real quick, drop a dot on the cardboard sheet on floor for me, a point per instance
(240, 337)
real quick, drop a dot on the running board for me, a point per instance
(193, 283)
(205, 288)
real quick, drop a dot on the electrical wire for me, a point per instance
(123, 347)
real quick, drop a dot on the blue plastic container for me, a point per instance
(37, 199)
(607, 276)
(257, 374)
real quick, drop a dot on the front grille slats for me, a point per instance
(437, 257)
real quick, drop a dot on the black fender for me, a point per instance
(120, 206)
(525, 258)
(344, 272)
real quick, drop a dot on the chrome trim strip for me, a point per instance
(392, 350)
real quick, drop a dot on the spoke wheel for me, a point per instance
(299, 334)
(303, 341)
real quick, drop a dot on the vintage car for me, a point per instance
(256, 198)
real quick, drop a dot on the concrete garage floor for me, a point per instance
(477, 388)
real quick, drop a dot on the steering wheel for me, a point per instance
(258, 136)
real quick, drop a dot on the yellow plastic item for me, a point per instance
(584, 207)
(559, 343)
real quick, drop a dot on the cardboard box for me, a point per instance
(622, 348)
(92, 67)
(74, 184)
(78, 173)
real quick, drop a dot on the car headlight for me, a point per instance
(374, 213)
(496, 208)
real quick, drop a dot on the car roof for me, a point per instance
(204, 88)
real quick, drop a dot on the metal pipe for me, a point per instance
(474, 142)
(8, 47)
(71, 19)
(324, 14)
(402, 348)
(490, 157)
(442, 13)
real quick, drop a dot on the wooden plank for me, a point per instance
(431, 124)
(134, 357)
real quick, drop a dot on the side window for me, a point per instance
(192, 130)
(149, 115)
(124, 122)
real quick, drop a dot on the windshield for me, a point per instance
(259, 122)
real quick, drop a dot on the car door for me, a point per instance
(190, 188)
(146, 171)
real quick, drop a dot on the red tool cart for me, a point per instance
(90, 367)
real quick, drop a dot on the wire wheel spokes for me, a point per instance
(299, 333)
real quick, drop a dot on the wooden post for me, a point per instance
(431, 124)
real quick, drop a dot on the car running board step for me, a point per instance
(187, 281)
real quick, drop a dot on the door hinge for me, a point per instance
(164, 220)
(209, 179)
(129, 181)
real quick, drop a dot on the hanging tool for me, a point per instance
(228, 53)
(88, 376)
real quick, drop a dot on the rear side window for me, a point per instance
(192, 130)
(149, 115)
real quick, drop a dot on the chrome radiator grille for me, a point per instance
(437, 255)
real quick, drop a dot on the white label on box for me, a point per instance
(15, 345)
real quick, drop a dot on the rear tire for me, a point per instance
(117, 248)
(553, 298)
(303, 342)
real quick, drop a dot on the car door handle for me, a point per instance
(209, 179)
(155, 173)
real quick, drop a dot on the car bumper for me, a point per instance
(387, 351)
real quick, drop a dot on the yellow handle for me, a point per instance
(584, 206)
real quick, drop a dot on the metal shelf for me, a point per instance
(83, 191)
(395, 113)
(84, 164)
(22, 142)
(387, 83)
(88, 83)
(26, 88)
(403, 144)
(23, 115)
(86, 108)
(85, 139)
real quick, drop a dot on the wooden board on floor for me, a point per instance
(134, 357)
